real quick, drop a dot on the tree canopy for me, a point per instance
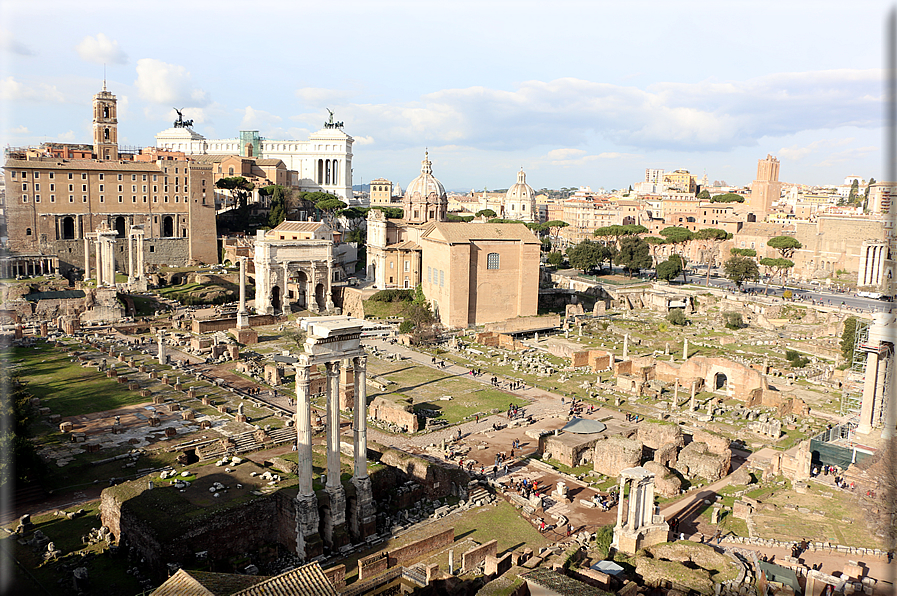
(711, 238)
(741, 269)
(779, 265)
(488, 213)
(634, 255)
(618, 231)
(729, 197)
(704, 195)
(744, 252)
(278, 212)
(583, 256)
(677, 235)
(670, 269)
(239, 187)
(786, 245)
(391, 212)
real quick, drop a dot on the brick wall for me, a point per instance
(380, 562)
(472, 558)
(211, 325)
(336, 576)
(387, 411)
(373, 565)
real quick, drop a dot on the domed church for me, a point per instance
(520, 201)
(472, 273)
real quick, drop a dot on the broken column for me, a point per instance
(691, 404)
(676, 395)
(625, 346)
(160, 350)
(685, 349)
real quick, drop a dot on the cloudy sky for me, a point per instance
(577, 93)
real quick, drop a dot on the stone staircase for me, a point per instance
(416, 574)
(245, 443)
(477, 494)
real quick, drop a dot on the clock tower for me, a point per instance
(105, 125)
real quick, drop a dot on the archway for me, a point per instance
(319, 295)
(68, 228)
(167, 226)
(720, 381)
(120, 226)
(301, 285)
(275, 298)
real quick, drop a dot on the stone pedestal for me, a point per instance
(240, 418)
(245, 336)
(308, 541)
(333, 522)
(362, 513)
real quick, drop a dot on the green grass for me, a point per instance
(583, 469)
(502, 523)
(65, 387)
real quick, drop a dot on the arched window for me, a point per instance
(167, 227)
(27, 231)
(68, 228)
(492, 260)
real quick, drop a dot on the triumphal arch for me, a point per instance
(329, 518)
(294, 263)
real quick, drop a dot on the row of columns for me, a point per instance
(28, 266)
(640, 508)
(872, 260)
(308, 518)
(135, 237)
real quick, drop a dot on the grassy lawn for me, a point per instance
(427, 386)
(65, 387)
(500, 522)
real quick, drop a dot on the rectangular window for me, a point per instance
(119, 177)
(52, 175)
(101, 187)
(144, 177)
(407, 265)
(144, 188)
(14, 175)
(71, 188)
(83, 188)
(36, 175)
(84, 176)
(52, 187)
(101, 176)
(155, 176)
(119, 188)
(492, 260)
(37, 198)
(24, 198)
(120, 198)
(429, 274)
(155, 188)
(166, 198)
(133, 177)
(391, 265)
(24, 186)
(52, 198)
(72, 199)
(71, 175)
(441, 278)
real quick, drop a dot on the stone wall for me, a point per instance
(597, 360)
(666, 483)
(379, 562)
(616, 454)
(471, 559)
(524, 324)
(436, 479)
(499, 340)
(568, 448)
(212, 325)
(698, 459)
(655, 436)
(387, 410)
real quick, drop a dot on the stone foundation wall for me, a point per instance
(388, 411)
(616, 454)
(379, 562)
(437, 480)
(477, 555)
(212, 325)
(655, 436)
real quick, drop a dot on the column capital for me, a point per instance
(332, 368)
(360, 361)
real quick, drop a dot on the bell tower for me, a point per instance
(105, 125)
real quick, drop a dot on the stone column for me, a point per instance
(691, 404)
(625, 346)
(889, 420)
(685, 349)
(98, 250)
(362, 522)
(160, 351)
(284, 292)
(634, 497)
(648, 511)
(869, 397)
(328, 300)
(140, 248)
(676, 395)
(86, 258)
(334, 524)
(242, 316)
(359, 426)
(130, 258)
(313, 295)
(306, 502)
(620, 502)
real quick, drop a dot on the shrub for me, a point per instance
(733, 320)
(787, 294)
(603, 537)
(393, 296)
(406, 327)
(677, 317)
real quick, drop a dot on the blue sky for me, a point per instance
(577, 93)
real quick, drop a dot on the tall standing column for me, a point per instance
(284, 292)
(685, 349)
(313, 300)
(890, 416)
(869, 394)
(99, 260)
(691, 403)
(634, 498)
(86, 258)
(648, 509)
(625, 346)
(307, 540)
(676, 395)
(334, 523)
(242, 318)
(130, 259)
(328, 301)
(359, 426)
(140, 247)
(620, 502)
(333, 460)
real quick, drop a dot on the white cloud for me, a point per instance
(13, 46)
(101, 50)
(160, 82)
(66, 137)
(254, 119)
(797, 152)
(361, 140)
(841, 157)
(708, 115)
(577, 157)
(13, 90)
(19, 130)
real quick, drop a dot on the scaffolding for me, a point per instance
(852, 394)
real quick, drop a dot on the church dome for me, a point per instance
(426, 184)
(521, 191)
